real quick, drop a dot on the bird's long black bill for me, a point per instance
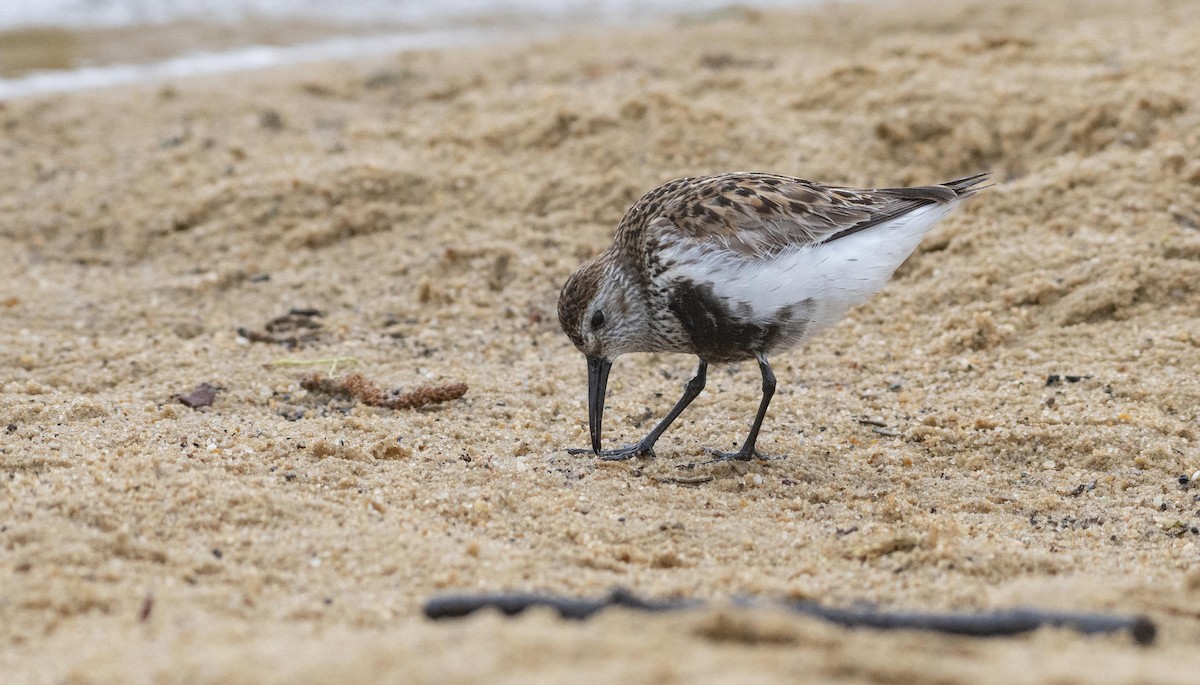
(597, 384)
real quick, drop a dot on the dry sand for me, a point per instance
(431, 204)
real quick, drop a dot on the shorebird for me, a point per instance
(738, 267)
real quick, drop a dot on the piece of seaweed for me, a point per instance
(1004, 622)
(362, 389)
(297, 327)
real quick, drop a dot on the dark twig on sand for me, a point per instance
(992, 624)
(454, 606)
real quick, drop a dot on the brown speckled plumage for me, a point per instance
(759, 214)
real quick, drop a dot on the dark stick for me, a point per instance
(454, 606)
(992, 624)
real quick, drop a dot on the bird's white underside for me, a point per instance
(831, 277)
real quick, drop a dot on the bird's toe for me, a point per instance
(740, 455)
(628, 452)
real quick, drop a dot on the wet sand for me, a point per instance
(33, 49)
(1004, 425)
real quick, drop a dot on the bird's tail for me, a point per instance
(968, 185)
(944, 193)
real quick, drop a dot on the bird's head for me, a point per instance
(601, 311)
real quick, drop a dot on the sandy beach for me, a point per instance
(1005, 425)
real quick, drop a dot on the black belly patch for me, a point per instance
(721, 331)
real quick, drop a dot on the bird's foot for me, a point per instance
(620, 454)
(740, 455)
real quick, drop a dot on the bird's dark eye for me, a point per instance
(597, 319)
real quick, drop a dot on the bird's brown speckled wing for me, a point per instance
(761, 214)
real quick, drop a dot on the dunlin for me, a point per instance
(737, 267)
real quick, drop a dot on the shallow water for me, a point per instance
(62, 45)
(418, 13)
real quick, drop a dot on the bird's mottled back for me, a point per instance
(758, 214)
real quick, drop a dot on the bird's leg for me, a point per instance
(768, 389)
(645, 446)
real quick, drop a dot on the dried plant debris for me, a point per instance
(1004, 622)
(1055, 379)
(200, 396)
(297, 327)
(364, 390)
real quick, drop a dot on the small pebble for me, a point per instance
(270, 120)
(201, 396)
